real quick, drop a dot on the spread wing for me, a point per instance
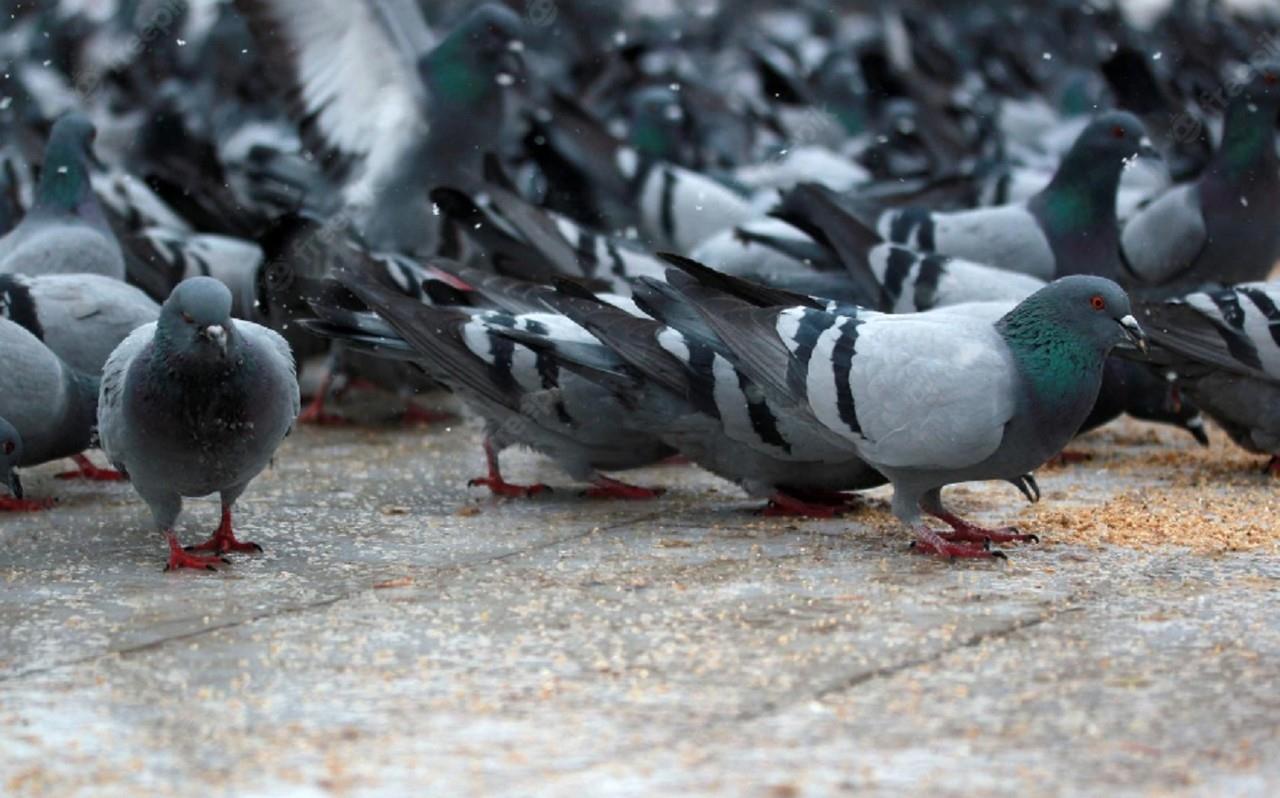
(353, 90)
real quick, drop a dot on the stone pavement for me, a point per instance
(405, 635)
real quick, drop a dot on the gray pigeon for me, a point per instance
(1220, 229)
(65, 231)
(1224, 347)
(932, 400)
(195, 404)
(522, 395)
(50, 407)
(81, 317)
(1069, 227)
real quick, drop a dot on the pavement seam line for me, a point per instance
(455, 568)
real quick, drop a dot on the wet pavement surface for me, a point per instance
(405, 634)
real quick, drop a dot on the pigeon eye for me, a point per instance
(1270, 78)
(1098, 303)
(1118, 132)
(187, 318)
(8, 447)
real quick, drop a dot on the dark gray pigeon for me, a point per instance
(932, 400)
(50, 407)
(195, 404)
(1224, 347)
(65, 230)
(1067, 228)
(1221, 229)
(81, 317)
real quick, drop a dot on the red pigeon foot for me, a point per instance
(224, 539)
(85, 469)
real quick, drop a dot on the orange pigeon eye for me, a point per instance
(187, 318)
(8, 447)
(1118, 132)
(1098, 303)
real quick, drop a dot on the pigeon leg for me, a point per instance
(85, 469)
(499, 486)
(178, 558)
(788, 505)
(964, 531)
(12, 505)
(415, 415)
(930, 542)
(315, 412)
(607, 488)
(224, 539)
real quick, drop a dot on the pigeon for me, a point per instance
(933, 401)
(439, 104)
(1224, 349)
(1221, 229)
(81, 317)
(50, 406)
(193, 404)
(1068, 228)
(65, 231)
(676, 387)
(522, 396)
(682, 387)
(901, 280)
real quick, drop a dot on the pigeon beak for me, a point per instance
(1147, 150)
(1134, 333)
(511, 67)
(1195, 425)
(218, 334)
(15, 485)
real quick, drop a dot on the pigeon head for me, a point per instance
(10, 457)
(482, 55)
(1081, 198)
(1114, 137)
(1248, 137)
(197, 317)
(1080, 311)
(1264, 84)
(658, 123)
(64, 176)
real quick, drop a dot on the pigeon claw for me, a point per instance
(179, 558)
(500, 487)
(86, 470)
(936, 544)
(415, 416)
(224, 540)
(11, 505)
(606, 488)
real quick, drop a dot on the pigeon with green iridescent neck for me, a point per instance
(65, 231)
(1222, 229)
(1069, 227)
(931, 400)
(195, 404)
(393, 111)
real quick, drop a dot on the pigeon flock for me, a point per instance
(812, 248)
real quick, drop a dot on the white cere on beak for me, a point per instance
(218, 334)
(505, 79)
